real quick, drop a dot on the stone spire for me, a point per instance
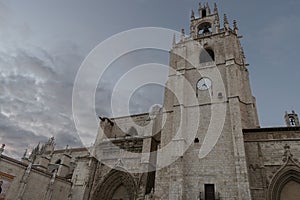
(24, 158)
(174, 40)
(182, 34)
(192, 15)
(235, 27)
(215, 8)
(199, 9)
(208, 8)
(200, 5)
(48, 147)
(35, 152)
(225, 20)
(226, 24)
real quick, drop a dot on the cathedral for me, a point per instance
(204, 144)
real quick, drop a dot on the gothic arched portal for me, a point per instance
(285, 185)
(116, 185)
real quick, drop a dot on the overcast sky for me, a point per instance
(43, 43)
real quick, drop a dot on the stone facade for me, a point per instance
(205, 144)
(29, 182)
(272, 159)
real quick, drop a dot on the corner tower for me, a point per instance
(222, 172)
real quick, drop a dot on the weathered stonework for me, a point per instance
(266, 155)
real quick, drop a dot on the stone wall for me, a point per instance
(32, 183)
(265, 153)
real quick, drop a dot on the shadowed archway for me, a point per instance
(116, 185)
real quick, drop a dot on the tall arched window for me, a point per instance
(203, 13)
(207, 55)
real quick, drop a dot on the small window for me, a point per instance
(58, 161)
(207, 55)
(209, 191)
(196, 140)
(203, 13)
(292, 121)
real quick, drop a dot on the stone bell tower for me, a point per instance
(209, 101)
(291, 119)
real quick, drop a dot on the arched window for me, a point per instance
(203, 13)
(207, 55)
(204, 28)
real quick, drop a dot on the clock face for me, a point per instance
(204, 84)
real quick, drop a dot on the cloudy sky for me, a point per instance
(43, 43)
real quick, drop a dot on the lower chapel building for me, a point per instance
(243, 162)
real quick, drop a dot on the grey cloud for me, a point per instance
(66, 138)
(35, 99)
(15, 138)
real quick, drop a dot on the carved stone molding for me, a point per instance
(289, 171)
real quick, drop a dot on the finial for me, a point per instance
(2, 149)
(51, 141)
(38, 147)
(193, 15)
(226, 24)
(174, 40)
(182, 34)
(225, 19)
(235, 27)
(25, 153)
(208, 8)
(215, 8)
(200, 5)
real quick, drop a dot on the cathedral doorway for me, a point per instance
(285, 185)
(121, 193)
(117, 185)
